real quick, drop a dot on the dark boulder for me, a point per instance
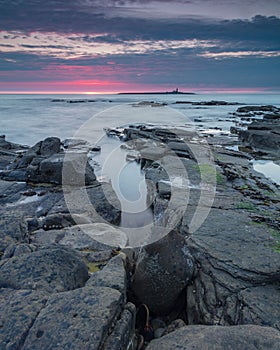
(50, 146)
(72, 170)
(163, 270)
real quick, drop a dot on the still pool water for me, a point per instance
(268, 168)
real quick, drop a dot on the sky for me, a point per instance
(94, 46)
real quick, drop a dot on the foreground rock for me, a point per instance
(221, 269)
(92, 317)
(19, 309)
(239, 263)
(46, 162)
(52, 269)
(219, 338)
(163, 270)
(83, 317)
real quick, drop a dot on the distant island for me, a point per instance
(174, 92)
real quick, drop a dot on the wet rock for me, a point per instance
(50, 146)
(181, 149)
(72, 170)
(153, 152)
(219, 338)
(98, 256)
(14, 175)
(52, 269)
(163, 270)
(262, 134)
(73, 143)
(26, 159)
(261, 140)
(214, 103)
(7, 145)
(19, 309)
(247, 109)
(79, 319)
(272, 116)
(57, 221)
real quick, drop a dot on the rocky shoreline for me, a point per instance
(204, 285)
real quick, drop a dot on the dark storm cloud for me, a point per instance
(142, 41)
(91, 16)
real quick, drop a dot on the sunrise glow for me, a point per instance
(90, 47)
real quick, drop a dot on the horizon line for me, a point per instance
(194, 91)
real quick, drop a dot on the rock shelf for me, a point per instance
(63, 287)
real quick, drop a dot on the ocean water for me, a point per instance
(27, 119)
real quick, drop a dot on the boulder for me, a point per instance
(263, 134)
(26, 159)
(80, 319)
(265, 140)
(72, 169)
(163, 270)
(73, 143)
(19, 309)
(219, 338)
(50, 146)
(52, 269)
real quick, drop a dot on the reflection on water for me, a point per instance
(128, 181)
(268, 168)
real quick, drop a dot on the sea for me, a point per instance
(27, 119)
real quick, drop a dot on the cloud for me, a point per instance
(61, 46)
(140, 41)
(240, 54)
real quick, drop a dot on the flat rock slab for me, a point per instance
(241, 246)
(260, 303)
(19, 309)
(219, 338)
(52, 269)
(95, 236)
(79, 319)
